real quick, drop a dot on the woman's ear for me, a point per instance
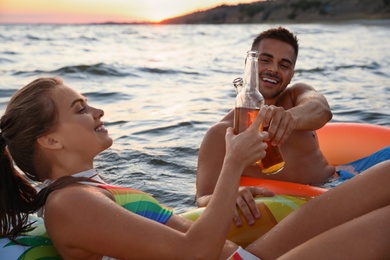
(50, 142)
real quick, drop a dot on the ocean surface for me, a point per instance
(162, 87)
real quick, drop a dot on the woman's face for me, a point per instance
(79, 129)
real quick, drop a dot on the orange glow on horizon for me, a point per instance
(90, 11)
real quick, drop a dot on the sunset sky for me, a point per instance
(87, 11)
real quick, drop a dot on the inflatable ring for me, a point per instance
(272, 211)
(346, 142)
(338, 145)
(32, 245)
(336, 142)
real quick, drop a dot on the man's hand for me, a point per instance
(246, 203)
(279, 123)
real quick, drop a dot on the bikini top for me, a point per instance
(139, 202)
(136, 201)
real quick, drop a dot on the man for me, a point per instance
(292, 113)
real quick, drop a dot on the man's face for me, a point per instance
(276, 67)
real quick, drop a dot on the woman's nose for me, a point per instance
(98, 113)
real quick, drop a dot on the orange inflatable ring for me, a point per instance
(346, 142)
(340, 143)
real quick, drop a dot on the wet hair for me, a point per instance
(31, 113)
(280, 34)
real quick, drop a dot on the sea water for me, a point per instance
(162, 87)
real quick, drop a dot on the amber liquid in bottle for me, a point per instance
(273, 162)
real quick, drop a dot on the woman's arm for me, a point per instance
(82, 221)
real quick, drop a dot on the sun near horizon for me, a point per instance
(100, 11)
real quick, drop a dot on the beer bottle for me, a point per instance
(248, 103)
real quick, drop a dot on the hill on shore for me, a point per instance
(288, 11)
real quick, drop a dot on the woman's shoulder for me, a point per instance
(75, 214)
(72, 206)
(73, 198)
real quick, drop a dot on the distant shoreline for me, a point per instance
(385, 21)
(275, 11)
(289, 11)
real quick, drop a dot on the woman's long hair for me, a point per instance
(30, 113)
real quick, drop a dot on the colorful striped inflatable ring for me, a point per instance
(340, 143)
(272, 211)
(33, 245)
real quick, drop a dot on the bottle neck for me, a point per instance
(250, 96)
(251, 78)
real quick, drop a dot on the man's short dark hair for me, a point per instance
(279, 33)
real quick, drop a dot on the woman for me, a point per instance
(52, 134)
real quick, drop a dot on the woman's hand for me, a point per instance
(247, 147)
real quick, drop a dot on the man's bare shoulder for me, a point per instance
(293, 93)
(213, 144)
(223, 124)
(300, 85)
(298, 89)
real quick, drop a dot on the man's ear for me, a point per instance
(50, 142)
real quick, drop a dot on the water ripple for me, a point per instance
(162, 87)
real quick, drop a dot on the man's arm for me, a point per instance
(310, 107)
(300, 107)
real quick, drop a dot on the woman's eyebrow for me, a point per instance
(78, 100)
